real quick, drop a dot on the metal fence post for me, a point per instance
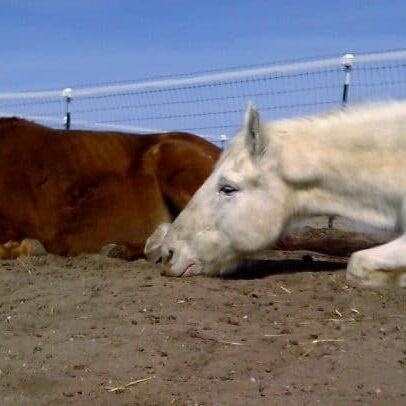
(223, 140)
(347, 66)
(67, 94)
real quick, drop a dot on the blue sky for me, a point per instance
(47, 44)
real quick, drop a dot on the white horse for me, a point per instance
(350, 163)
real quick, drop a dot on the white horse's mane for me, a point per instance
(354, 126)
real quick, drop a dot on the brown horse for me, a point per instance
(78, 191)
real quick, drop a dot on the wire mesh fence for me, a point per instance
(211, 104)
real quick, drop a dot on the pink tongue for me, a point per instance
(188, 270)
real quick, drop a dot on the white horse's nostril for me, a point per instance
(167, 254)
(170, 254)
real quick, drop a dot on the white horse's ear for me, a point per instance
(254, 139)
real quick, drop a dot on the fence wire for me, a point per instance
(212, 104)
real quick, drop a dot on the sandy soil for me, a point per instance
(286, 331)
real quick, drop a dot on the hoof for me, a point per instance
(32, 248)
(112, 251)
(362, 272)
(25, 248)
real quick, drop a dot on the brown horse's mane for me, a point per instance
(14, 121)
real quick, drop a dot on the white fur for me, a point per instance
(350, 163)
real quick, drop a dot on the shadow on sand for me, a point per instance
(257, 269)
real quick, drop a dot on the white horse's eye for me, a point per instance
(228, 190)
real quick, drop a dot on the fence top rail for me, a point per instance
(208, 78)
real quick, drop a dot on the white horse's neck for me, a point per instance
(346, 164)
(378, 213)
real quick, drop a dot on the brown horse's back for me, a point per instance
(76, 191)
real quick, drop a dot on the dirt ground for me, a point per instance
(285, 331)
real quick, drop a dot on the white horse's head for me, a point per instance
(241, 208)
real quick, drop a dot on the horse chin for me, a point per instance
(212, 268)
(231, 267)
(197, 268)
(182, 270)
(192, 265)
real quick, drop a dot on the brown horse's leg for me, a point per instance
(27, 247)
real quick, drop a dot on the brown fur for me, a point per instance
(76, 191)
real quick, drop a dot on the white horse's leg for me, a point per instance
(380, 266)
